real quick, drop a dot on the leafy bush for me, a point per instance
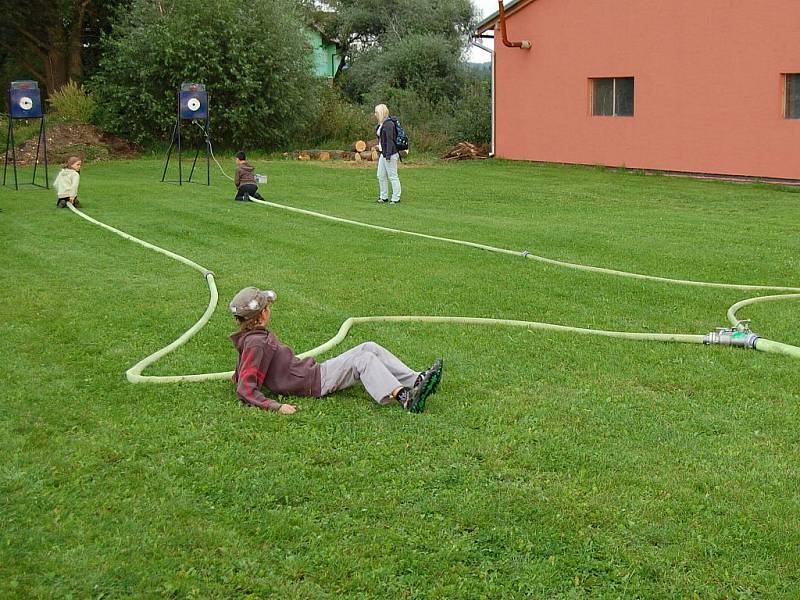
(420, 117)
(339, 122)
(472, 114)
(252, 56)
(433, 126)
(73, 104)
(428, 64)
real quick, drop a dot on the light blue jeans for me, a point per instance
(387, 171)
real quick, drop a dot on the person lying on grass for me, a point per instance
(264, 360)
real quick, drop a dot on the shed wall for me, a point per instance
(708, 85)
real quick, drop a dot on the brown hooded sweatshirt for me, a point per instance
(245, 173)
(264, 360)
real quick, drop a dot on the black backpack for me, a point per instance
(401, 138)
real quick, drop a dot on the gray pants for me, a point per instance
(387, 171)
(379, 370)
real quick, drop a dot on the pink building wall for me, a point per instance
(709, 94)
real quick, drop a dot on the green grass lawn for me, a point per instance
(547, 466)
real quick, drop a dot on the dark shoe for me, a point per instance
(434, 374)
(61, 203)
(76, 204)
(382, 201)
(413, 399)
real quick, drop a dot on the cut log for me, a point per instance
(366, 155)
(357, 156)
(359, 146)
(373, 154)
(303, 156)
(324, 155)
(373, 143)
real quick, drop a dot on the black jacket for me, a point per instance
(387, 138)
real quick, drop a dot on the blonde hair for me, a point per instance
(71, 161)
(381, 111)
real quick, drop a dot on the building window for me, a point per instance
(612, 97)
(792, 110)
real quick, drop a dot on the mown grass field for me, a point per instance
(547, 466)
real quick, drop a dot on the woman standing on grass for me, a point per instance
(67, 181)
(389, 156)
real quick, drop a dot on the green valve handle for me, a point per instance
(741, 338)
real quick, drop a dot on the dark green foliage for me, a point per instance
(465, 116)
(339, 122)
(482, 71)
(423, 62)
(375, 22)
(51, 41)
(252, 56)
(409, 55)
(472, 117)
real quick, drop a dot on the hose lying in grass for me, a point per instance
(134, 374)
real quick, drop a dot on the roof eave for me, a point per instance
(490, 21)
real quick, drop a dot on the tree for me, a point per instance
(51, 39)
(425, 63)
(251, 55)
(410, 55)
(364, 25)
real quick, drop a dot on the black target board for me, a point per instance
(25, 100)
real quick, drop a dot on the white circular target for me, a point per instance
(25, 103)
(193, 104)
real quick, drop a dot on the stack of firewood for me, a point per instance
(466, 151)
(320, 155)
(359, 151)
(365, 150)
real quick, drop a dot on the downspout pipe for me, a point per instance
(491, 53)
(524, 44)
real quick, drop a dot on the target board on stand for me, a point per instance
(193, 101)
(25, 100)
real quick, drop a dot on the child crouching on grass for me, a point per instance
(264, 360)
(67, 181)
(245, 179)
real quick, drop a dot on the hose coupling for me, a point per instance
(525, 254)
(741, 338)
(206, 273)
